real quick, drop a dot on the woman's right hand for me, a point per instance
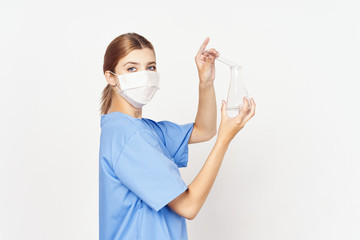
(229, 127)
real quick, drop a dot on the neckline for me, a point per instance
(123, 114)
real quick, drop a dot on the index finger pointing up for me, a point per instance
(203, 46)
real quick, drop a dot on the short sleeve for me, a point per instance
(146, 171)
(176, 139)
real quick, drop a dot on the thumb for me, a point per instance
(223, 109)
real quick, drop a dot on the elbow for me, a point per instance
(211, 134)
(192, 211)
(204, 135)
(184, 205)
(191, 215)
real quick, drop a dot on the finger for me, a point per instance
(206, 53)
(203, 46)
(200, 56)
(203, 56)
(252, 112)
(243, 110)
(253, 104)
(246, 104)
(213, 51)
(210, 59)
(223, 109)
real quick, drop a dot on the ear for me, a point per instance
(110, 78)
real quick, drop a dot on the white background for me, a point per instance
(291, 173)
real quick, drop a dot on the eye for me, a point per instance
(154, 68)
(131, 68)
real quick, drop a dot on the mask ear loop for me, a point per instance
(115, 83)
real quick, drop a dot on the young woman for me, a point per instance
(141, 192)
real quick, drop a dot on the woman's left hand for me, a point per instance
(205, 63)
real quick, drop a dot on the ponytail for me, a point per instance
(106, 99)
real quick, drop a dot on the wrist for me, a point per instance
(206, 84)
(222, 141)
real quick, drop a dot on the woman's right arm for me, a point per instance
(189, 203)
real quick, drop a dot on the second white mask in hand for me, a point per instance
(138, 88)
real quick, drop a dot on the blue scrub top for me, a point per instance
(139, 176)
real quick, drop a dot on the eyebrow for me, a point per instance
(136, 63)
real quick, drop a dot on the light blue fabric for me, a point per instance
(139, 176)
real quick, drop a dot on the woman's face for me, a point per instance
(137, 60)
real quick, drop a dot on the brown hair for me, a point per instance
(120, 47)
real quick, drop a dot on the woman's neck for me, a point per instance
(119, 104)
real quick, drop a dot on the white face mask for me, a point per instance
(138, 88)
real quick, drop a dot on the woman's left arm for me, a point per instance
(205, 122)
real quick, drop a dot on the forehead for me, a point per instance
(144, 55)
